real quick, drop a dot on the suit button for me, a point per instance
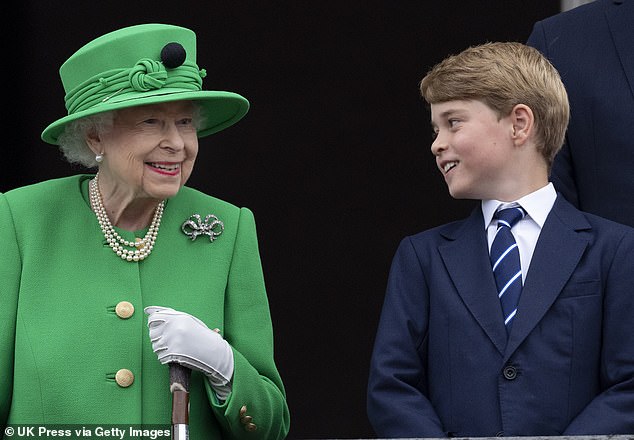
(124, 310)
(500, 434)
(510, 372)
(124, 378)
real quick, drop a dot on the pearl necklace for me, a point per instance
(141, 247)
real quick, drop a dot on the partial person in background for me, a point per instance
(592, 47)
(83, 256)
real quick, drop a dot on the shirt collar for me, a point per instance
(536, 204)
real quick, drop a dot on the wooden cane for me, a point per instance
(179, 387)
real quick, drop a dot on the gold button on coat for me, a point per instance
(124, 377)
(124, 310)
(247, 420)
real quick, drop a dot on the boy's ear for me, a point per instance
(523, 122)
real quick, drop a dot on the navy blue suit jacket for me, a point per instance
(442, 364)
(592, 47)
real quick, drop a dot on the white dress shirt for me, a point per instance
(526, 232)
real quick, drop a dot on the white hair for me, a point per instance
(72, 142)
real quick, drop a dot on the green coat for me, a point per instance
(62, 343)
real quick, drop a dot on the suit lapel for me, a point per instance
(467, 261)
(620, 20)
(556, 256)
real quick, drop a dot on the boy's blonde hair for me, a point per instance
(502, 75)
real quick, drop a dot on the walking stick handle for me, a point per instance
(179, 387)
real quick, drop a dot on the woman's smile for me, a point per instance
(165, 168)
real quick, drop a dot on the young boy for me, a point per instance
(533, 336)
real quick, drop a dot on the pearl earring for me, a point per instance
(99, 158)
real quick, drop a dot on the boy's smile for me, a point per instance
(446, 166)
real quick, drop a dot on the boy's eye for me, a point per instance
(452, 122)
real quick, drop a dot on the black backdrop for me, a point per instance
(333, 157)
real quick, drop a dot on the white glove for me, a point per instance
(184, 339)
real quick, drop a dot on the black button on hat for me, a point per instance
(173, 55)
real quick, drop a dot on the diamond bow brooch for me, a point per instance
(195, 226)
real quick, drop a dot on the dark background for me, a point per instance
(333, 157)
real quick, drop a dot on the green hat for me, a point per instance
(139, 65)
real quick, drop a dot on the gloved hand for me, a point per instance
(184, 339)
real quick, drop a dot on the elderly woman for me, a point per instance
(83, 256)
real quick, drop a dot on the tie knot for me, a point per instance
(509, 216)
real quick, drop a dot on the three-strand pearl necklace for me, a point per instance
(141, 247)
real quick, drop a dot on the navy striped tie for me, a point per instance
(505, 260)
